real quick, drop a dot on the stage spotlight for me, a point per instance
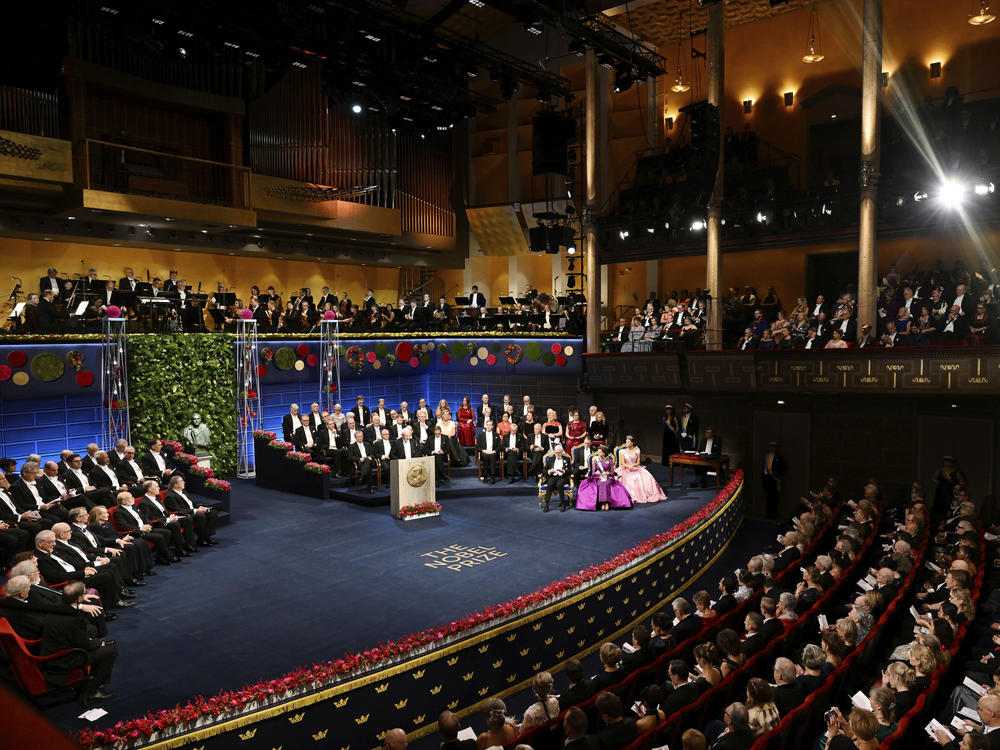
(356, 108)
(578, 48)
(651, 230)
(624, 78)
(698, 224)
(761, 218)
(606, 61)
(984, 188)
(623, 234)
(919, 196)
(952, 193)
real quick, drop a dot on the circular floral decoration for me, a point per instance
(284, 358)
(568, 350)
(85, 378)
(512, 354)
(430, 346)
(370, 356)
(425, 359)
(47, 367)
(354, 358)
(491, 359)
(390, 360)
(496, 347)
(261, 371)
(470, 347)
(458, 349)
(561, 360)
(329, 315)
(533, 351)
(473, 361)
(381, 350)
(75, 359)
(17, 358)
(20, 378)
(557, 348)
(414, 362)
(300, 365)
(445, 358)
(312, 360)
(113, 311)
(302, 350)
(404, 350)
(481, 352)
(377, 364)
(5, 373)
(548, 359)
(246, 314)
(267, 354)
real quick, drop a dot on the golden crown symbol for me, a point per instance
(348, 747)
(600, 597)
(320, 735)
(642, 591)
(536, 666)
(382, 688)
(420, 719)
(625, 600)
(600, 632)
(452, 661)
(484, 691)
(655, 583)
(548, 641)
(436, 689)
(297, 718)
(401, 704)
(381, 735)
(361, 719)
(633, 579)
(570, 629)
(618, 622)
(453, 705)
(342, 702)
(609, 610)
(618, 587)
(648, 602)
(524, 651)
(484, 648)
(496, 664)
(418, 675)
(511, 678)
(560, 654)
(590, 620)
(632, 613)
(511, 638)
(537, 626)
(467, 676)
(560, 615)
(581, 606)
(248, 735)
(579, 644)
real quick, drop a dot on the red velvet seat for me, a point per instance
(26, 666)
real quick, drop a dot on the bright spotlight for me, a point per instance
(952, 194)
(984, 188)
(919, 196)
(761, 219)
(698, 225)
(623, 234)
(571, 250)
(356, 108)
(650, 229)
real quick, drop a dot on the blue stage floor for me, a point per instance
(297, 580)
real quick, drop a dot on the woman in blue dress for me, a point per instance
(601, 489)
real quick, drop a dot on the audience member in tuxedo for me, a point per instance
(575, 725)
(580, 456)
(12, 539)
(128, 470)
(127, 520)
(686, 624)
(513, 453)
(204, 517)
(449, 725)
(27, 521)
(42, 594)
(362, 454)
(727, 588)
(52, 487)
(63, 632)
(75, 478)
(305, 440)
(536, 446)
(754, 642)
(641, 655)
(108, 569)
(27, 618)
(488, 448)
(99, 524)
(328, 446)
(680, 690)
(437, 446)
(362, 414)
(617, 731)
(619, 336)
(381, 450)
(94, 543)
(290, 423)
(579, 688)
(406, 447)
(55, 569)
(736, 734)
(787, 692)
(103, 474)
(154, 463)
(155, 513)
(118, 454)
(28, 496)
(611, 657)
(373, 431)
(709, 445)
(557, 471)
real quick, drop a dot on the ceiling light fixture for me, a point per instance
(983, 16)
(814, 47)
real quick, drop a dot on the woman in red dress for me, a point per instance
(575, 430)
(466, 424)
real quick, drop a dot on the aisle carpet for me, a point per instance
(297, 580)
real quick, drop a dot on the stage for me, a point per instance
(303, 580)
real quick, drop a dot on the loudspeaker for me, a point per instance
(550, 134)
(538, 239)
(705, 141)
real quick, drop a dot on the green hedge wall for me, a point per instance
(171, 376)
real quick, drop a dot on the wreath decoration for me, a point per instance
(75, 360)
(267, 354)
(512, 353)
(390, 360)
(354, 356)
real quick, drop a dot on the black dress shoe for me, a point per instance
(110, 616)
(122, 604)
(174, 560)
(162, 561)
(191, 549)
(562, 508)
(213, 540)
(149, 573)
(99, 696)
(510, 481)
(545, 509)
(111, 642)
(493, 480)
(126, 594)
(371, 491)
(135, 582)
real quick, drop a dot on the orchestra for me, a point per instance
(76, 305)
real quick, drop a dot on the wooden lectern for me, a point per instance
(413, 482)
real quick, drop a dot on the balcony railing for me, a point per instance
(32, 112)
(115, 168)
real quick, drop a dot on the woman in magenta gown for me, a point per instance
(641, 485)
(601, 489)
(466, 424)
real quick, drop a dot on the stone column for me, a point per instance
(716, 92)
(596, 115)
(871, 84)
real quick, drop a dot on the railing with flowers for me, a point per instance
(316, 468)
(217, 485)
(420, 509)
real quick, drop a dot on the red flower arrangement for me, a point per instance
(302, 350)
(75, 360)
(217, 485)
(420, 509)
(267, 354)
(17, 358)
(201, 471)
(280, 445)
(6, 372)
(317, 468)
(233, 702)
(85, 378)
(264, 434)
(172, 445)
(512, 353)
(297, 456)
(354, 356)
(186, 458)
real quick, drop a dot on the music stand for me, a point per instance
(263, 299)
(524, 300)
(143, 289)
(121, 298)
(563, 301)
(463, 301)
(506, 300)
(225, 299)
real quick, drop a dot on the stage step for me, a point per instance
(459, 487)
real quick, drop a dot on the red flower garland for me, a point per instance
(231, 702)
(17, 358)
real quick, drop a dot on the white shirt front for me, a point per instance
(296, 422)
(708, 445)
(34, 492)
(135, 467)
(65, 565)
(538, 441)
(86, 532)
(489, 440)
(84, 479)
(386, 448)
(557, 464)
(9, 501)
(156, 504)
(361, 447)
(185, 498)
(57, 483)
(78, 551)
(309, 436)
(160, 463)
(107, 470)
(138, 519)
(437, 444)
(407, 449)
(512, 440)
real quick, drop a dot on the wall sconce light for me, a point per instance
(669, 122)
(885, 80)
(789, 98)
(935, 70)
(747, 106)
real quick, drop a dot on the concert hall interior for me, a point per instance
(500, 373)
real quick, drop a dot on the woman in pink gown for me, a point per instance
(641, 485)
(466, 424)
